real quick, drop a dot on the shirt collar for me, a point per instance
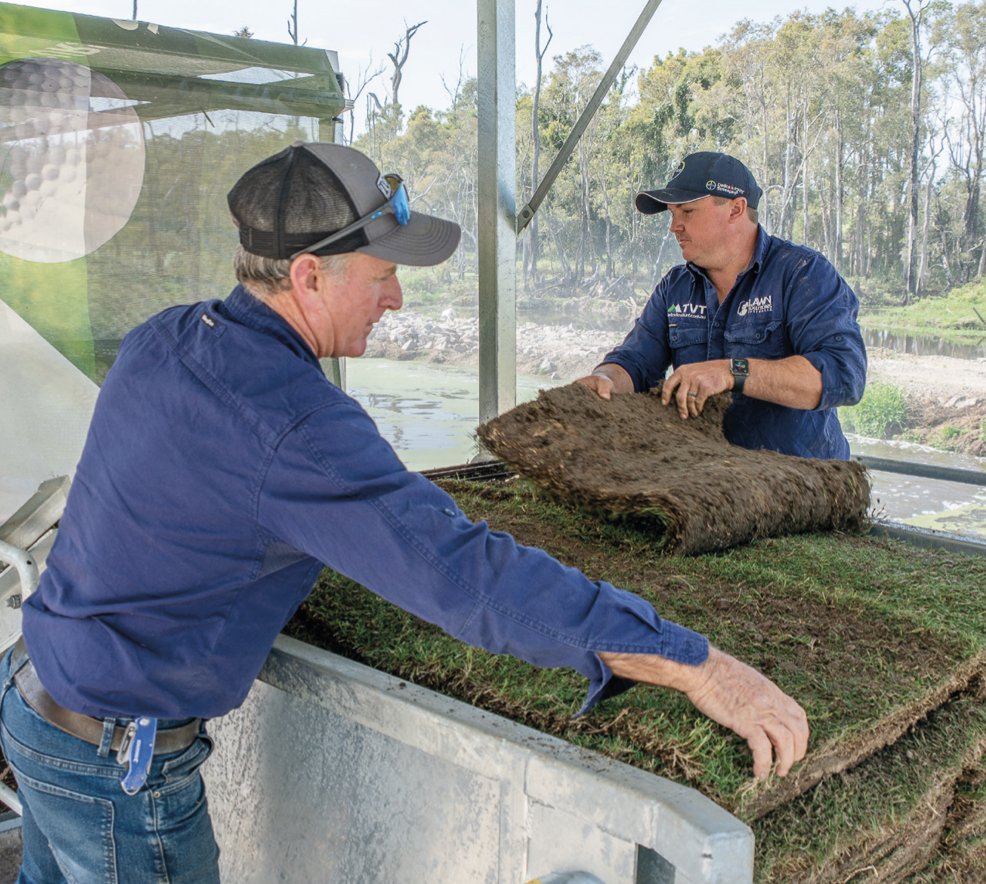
(759, 250)
(255, 314)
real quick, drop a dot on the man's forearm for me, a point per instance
(607, 379)
(792, 381)
(733, 694)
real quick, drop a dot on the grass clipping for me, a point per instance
(634, 455)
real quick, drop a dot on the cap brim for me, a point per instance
(422, 242)
(650, 202)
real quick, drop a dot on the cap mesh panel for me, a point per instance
(314, 204)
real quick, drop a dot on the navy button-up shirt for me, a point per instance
(789, 301)
(220, 472)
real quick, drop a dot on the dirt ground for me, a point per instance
(946, 398)
(930, 377)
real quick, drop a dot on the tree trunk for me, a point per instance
(539, 54)
(839, 160)
(559, 248)
(913, 181)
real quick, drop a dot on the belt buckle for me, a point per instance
(137, 752)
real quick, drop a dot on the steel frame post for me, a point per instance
(497, 89)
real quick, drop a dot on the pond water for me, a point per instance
(429, 414)
(918, 345)
(926, 503)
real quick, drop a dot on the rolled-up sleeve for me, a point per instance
(337, 491)
(821, 323)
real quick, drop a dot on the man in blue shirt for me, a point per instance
(748, 312)
(222, 471)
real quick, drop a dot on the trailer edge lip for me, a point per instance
(703, 841)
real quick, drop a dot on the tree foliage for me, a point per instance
(865, 151)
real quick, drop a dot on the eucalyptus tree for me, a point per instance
(963, 33)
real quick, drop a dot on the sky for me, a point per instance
(364, 31)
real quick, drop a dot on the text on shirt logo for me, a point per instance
(208, 320)
(686, 310)
(755, 305)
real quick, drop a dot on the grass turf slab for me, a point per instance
(864, 671)
(961, 854)
(633, 454)
(883, 820)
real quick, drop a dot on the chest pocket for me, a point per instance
(689, 343)
(764, 340)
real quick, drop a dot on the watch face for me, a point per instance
(739, 366)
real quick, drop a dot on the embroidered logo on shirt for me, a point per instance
(755, 305)
(208, 320)
(686, 310)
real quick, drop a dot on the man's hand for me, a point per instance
(692, 384)
(792, 381)
(736, 696)
(607, 379)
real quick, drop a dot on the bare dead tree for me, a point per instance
(363, 79)
(455, 93)
(399, 58)
(373, 111)
(539, 53)
(293, 31)
(244, 32)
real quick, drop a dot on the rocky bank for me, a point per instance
(947, 397)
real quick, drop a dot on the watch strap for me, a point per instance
(740, 370)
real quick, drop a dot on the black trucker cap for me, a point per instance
(308, 191)
(702, 174)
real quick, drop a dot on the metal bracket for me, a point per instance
(25, 565)
(527, 213)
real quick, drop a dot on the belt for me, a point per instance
(173, 739)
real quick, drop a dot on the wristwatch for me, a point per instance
(740, 370)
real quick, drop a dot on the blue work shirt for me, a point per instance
(789, 301)
(221, 470)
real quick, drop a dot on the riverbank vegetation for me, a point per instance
(887, 411)
(958, 315)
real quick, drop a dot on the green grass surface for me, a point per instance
(867, 634)
(879, 414)
(953, 317)
(883, 819)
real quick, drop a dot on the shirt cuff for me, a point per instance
(681, 644)
(841, 385)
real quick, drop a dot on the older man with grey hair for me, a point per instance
(222, 472)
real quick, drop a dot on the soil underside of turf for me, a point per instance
(888, 817)
(634, 455)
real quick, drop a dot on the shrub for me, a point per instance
(950, 432)
(879, 414)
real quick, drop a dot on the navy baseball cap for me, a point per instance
(702, 174)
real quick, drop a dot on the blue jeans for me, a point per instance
(80, 827)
